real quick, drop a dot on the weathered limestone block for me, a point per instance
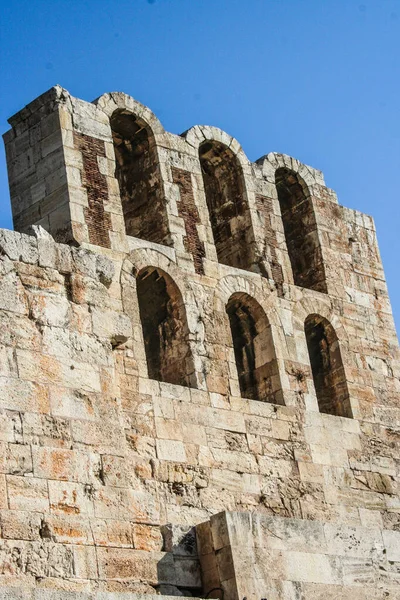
(304, 554)
(238, 428)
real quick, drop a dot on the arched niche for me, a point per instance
(227, 204)
(300, 229)
(138, 174)
(165, 328)
(327, 367)
(254, 349)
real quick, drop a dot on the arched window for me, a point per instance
(165, 329)
(254, 350)
(300, 230)
(138, 175)
(227, 205)
(327, 367)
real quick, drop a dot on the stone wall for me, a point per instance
(104, 471)
(294, 559)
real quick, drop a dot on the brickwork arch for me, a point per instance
(137, 167)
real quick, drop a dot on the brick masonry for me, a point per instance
(115, 485)
(97, 221)
(190, 215)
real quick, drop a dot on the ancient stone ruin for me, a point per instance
(199, 370)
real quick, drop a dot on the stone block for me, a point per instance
(3, 493)
(135, 565)
(110, 325)
(27, 493)
(352, 541)
(12, 294)
(71, 498)
(309, 567)
(391, 540)
(171, 450)
(15, 459)
(85, 562)
(147, 537)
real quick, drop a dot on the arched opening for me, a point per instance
(254, 350)
(300, 229)
(138, 174)
(327, 367)
(165, 329)
(227, 205)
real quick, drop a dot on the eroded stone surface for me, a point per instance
(112, 481)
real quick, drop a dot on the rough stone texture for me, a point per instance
(259, 556)
(107, 475)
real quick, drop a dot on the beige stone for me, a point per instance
(184, 403)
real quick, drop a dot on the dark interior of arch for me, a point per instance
(165, 330)
(327, 367)
(137, 172)
(254, 350)
(227, 205)
(300, 231)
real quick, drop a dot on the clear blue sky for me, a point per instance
(316, 79)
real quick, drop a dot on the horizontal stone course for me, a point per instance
(112, 482)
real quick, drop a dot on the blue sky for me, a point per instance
(316, 79)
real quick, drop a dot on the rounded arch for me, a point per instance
(300, 228)
(227, 203)
(272, 161)
(165, 328)
(327, 366)
(254, 349)
(230, 202)
(222, 165)
(164, 260)
(198, 134)
(112, 101)
(310, 303)
(252, 285)
(137, 167)
(138, 260)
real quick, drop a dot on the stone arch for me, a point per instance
(164, 261)
(269, 163)
(254, 349)
(293, 184)
(112, 101)
(251, 285)
(310, 303)
(224, 166)
(218, 333)
(327, 366)
(300, 228)
(165, 328)
(133, 128)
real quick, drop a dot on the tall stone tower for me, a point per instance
(199, 370)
